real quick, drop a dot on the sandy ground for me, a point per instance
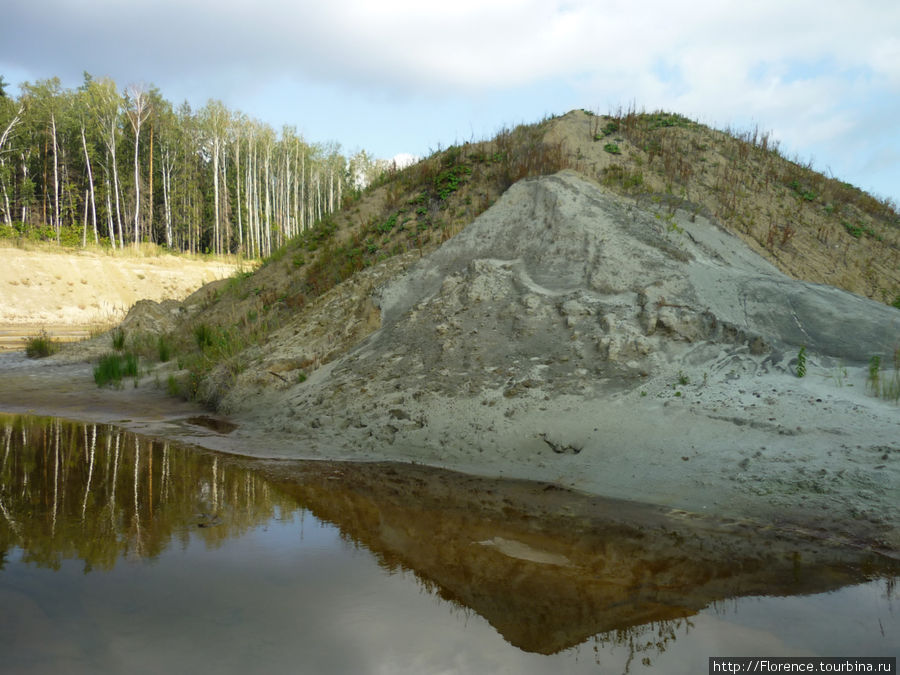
(68, 293)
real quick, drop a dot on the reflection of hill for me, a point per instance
(548, 570)
(97, 493)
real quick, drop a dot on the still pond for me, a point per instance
(123, 554)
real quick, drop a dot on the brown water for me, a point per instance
(124, 554)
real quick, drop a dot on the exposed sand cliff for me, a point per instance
(65, 292)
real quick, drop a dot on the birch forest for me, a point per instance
(104, 166)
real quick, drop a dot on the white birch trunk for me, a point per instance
(216, 194)
(237, 198)
(110, 225)
(137, 186)
(7, 214)
(87, 161)
(56, 223)
(268, 238)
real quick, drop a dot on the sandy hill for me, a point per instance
(615, 304)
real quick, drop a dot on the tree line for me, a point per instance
(120, 167)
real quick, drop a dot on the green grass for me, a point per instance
(801, 362)
(203, 334)
(113, 367)
(40, 346)
(882, 382)
(163, 349)
(118, 339)
(172, 386)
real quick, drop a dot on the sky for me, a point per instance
(410, 76)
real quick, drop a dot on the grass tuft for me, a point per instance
(113, 367)
(40, 346)
(163, 349)
(801, 362)
(118, 339)
(882, 382)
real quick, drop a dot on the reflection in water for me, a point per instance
(549, 570)
(99, 494)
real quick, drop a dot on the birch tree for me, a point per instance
(8, 122)
(214, 121)
(105, 104)
(82, 109)
(138, 110)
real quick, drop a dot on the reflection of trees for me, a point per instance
(97, 493)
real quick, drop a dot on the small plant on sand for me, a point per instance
(882, 382)
(163, 348)
(839, 375)
(40, 346)
(801, 362)
(118, 339)
(874, 379)
(113, 367)
(612, 149)
(683, 379)
(172, 388)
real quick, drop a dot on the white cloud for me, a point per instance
(810, 69)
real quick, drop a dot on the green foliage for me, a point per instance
(40, 346)
(801, 362)
(113, 367)
(118, 338)
(858, 230)
(608, 129)
(172, 387)
(616, 175)
(90, 119)
(683, 379)
(163, 348)
(874, 379)
(236, 281)
(883, 383)
(659, 120)
(203, 335)
(323, 231)
(612, 149)
(387, 225)
(448, 181)
(896, 302)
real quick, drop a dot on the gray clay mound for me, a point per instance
(561, 282)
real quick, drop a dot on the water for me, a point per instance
(125, 554)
